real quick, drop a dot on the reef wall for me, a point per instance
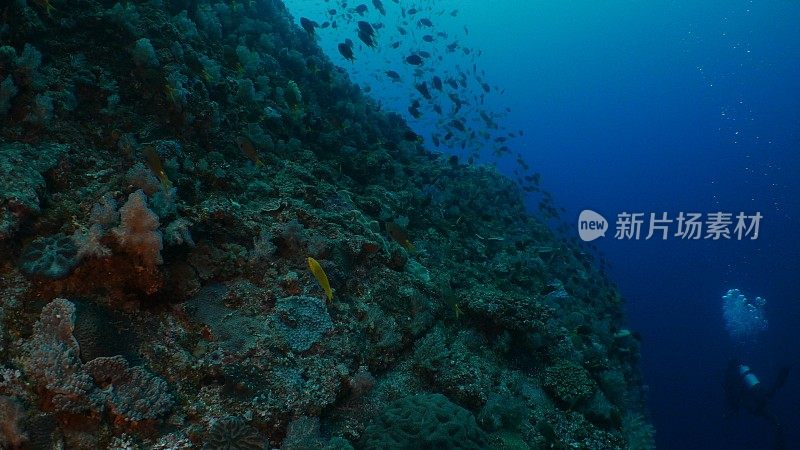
(169, 173)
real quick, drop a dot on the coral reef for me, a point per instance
(174, 183)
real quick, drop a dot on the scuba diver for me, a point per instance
(743, 390)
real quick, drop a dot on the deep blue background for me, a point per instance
(669, 112)
(672, 106)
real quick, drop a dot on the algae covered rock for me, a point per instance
(424, 421)
(569, 383)
(22, 183)
(234, 331)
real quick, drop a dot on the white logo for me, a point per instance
(591, 225)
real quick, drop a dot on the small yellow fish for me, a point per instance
(397, 233)
(319, 274)
(249, 150)
(154, 163)
(450, 298)
(44, 4)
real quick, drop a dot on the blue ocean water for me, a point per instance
(651, 107)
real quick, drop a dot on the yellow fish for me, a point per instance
(154, 163)
(319, 274)
(248, 149)
(399, 235)
(45, 4)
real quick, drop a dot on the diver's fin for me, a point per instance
(780, 438)
(783, 374)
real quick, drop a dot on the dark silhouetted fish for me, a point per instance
(361, 9)
(533, 178)
(413, 109)
(424, 22)
(456, 101)
(346, 49)
(366, 33)
(396, 44)
(457, 124)
(379, 6)
(424, 54)
(422, 88)
(411, 136)
(414, 60)
(427, 38)
(437, 83)
(366, 38)
(394, 76)
(364, 26)
(308, 25)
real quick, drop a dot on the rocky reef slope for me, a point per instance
(170, 171)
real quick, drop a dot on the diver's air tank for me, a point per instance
(749, 378)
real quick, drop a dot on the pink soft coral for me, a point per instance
(138, 230)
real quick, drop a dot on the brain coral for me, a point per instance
(424, 421)
(301, 321)
(233, 433)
